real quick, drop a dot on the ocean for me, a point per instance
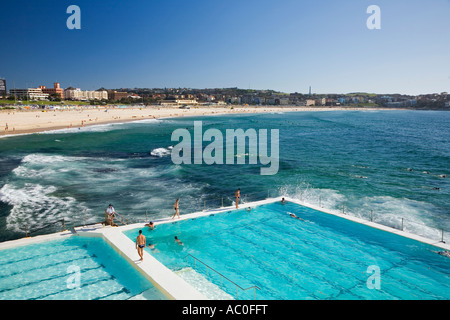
(391, 164)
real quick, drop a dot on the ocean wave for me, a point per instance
(413, 216)
(146, 121)
(45, 166)
(94, 128)
(161, 152)
(326, 198)
(46, 159)
(34, 206)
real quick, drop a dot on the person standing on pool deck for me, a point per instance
(140, 244)
(110, 213)
(176, 208)
(237, 194)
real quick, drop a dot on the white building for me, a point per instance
(29, 94)
(178, 102)
(78, 94)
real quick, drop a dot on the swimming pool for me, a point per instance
(319, 257)
(74, 268)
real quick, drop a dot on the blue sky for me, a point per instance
(285, 45)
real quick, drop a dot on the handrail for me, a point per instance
(222, 276)
(123, 219)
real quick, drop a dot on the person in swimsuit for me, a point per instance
(140, 244)
(237, 194)
(442, 253)
(178, 241)
(150, 225)
(176, 208)
(294, 216)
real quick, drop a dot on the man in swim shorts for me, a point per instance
(237, 194)
(140, 244)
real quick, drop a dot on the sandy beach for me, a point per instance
(14, 122)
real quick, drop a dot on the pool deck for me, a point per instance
(169, 283)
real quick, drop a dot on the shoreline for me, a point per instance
(24, 122)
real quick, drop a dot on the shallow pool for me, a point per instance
(319, 256)
(74, 268)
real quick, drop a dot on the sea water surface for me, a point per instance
(393, 163)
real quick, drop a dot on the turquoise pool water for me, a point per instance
(76, 268)
(319, 257)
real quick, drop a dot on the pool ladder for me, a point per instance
(223, 277)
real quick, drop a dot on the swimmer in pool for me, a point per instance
(294, 216)
(150, 225)
(443, 253)
(152, 247)
(178, 241)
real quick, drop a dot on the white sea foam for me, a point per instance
(34, 206)
(161, 152)
(36, 158)
(90, 128)
(45, 166)
(417, 215)
(146, 121)
(101, 127)
(326, 198)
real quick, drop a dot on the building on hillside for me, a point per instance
(80, 95)
(29, 94)
(3, 88)
(116, 95)
(57, 90)
(178, 102)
